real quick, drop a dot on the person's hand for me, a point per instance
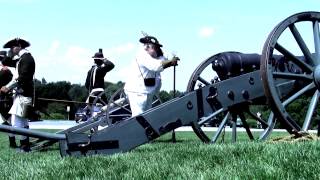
(4, 89)
(105, 61)
(5, 68)
(174, 61)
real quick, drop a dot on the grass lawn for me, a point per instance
(162, 159)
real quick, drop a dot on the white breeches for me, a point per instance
(17, 111)
(17, 121)
(139, 102)
(19, 105)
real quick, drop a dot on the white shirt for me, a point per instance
(146, 66)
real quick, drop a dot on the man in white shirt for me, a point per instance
(144, 79)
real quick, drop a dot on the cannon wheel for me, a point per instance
(98, 100)
(201, 77)
(297, 38)
(118, 107)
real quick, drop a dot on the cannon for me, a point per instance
(221, 90)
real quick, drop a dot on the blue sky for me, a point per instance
(65, 34)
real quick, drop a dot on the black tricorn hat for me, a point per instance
(17, 42)
(151, 40)
(98, 55)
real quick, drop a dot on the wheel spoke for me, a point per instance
(302, 44)
(245, 125)
(203, 81)
(294, 97)
(304, 66)
(122, 107)
(292, 76)
(263, 123)
(120, 115)
(103, 102)
(208, 118)
(220, 128)
(271, 122)
(311, 109)
(316, 35)
(298, 94)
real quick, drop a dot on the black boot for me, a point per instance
(12, 142)
(25, 145)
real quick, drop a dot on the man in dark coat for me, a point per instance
(22, 83)
(95, 78)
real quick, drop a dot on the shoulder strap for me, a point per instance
(139, 69)
(34, 92)
(92, 77)
(141, 72)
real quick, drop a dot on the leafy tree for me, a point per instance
(43, 81)
(164, 96)
(112, 88)
(176, 94)
(78, 93)
(55, 116)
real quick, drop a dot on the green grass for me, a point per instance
(162, 159)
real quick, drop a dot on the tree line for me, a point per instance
(53, 100)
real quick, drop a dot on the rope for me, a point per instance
(64, 101)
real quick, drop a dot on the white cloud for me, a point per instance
(54, 47)
(121, 55)
(71, 63)
(120, 49)
(122, 73)
(77, 56)
(206, 32)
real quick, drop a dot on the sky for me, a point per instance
(64, 35)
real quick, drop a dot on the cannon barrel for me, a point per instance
(232, 64)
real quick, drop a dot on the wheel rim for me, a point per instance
(204, 75)
(290, 69)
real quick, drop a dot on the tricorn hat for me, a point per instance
(98, 55)
(17, 42)
(151, 40)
